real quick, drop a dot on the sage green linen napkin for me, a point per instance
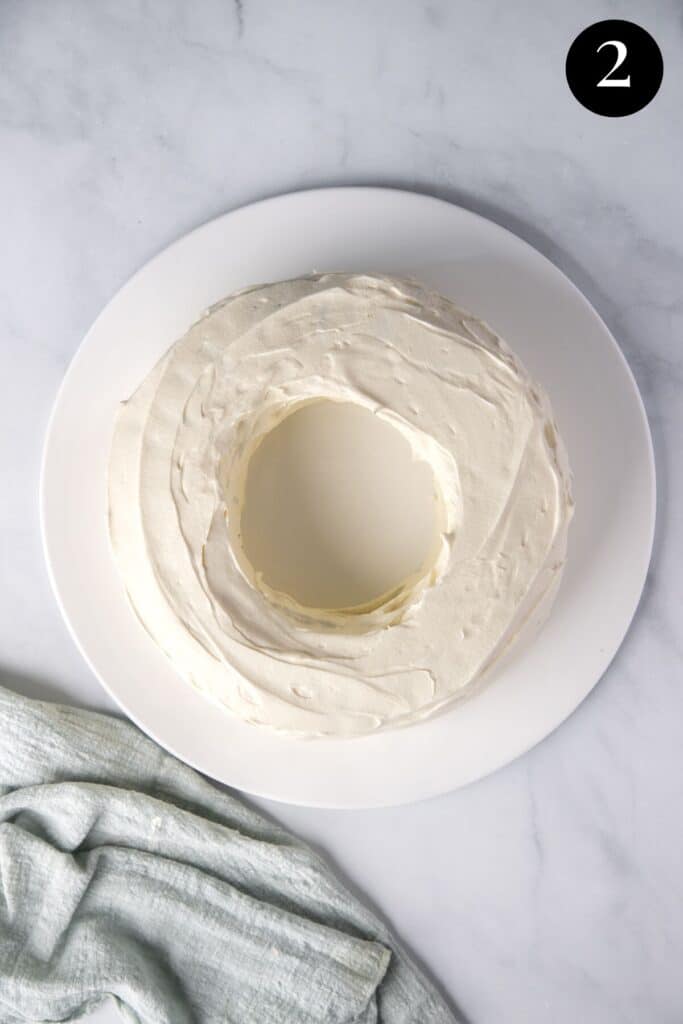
(125, 873)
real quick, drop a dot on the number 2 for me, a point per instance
(616, 83)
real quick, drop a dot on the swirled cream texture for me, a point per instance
(466, 406)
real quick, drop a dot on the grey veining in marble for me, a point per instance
(552, 891)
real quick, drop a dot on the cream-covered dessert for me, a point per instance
(456, 395)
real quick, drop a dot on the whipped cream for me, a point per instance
(465, 405)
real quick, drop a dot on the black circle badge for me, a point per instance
(614, 68)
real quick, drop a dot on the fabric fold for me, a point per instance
(125, 873)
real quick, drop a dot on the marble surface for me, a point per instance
(552, 891)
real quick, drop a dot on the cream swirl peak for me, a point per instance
(468, 416)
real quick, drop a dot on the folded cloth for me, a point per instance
(124, 873)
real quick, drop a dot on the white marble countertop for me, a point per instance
(552, 891)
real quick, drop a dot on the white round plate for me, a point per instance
(563, 343)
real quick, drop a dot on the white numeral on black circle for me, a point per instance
(608, 81)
